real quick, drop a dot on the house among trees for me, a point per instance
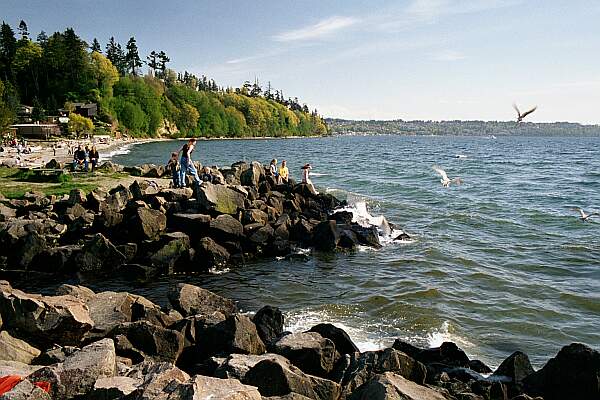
(87, 110)
(24, 114)
(40, 131)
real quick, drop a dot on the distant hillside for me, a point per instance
(460, 128)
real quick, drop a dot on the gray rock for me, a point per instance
(176, 194)
(269, 323)
(156, 378)
(13, 349)
(195, 225)
(204, 387)
(237, 334)
(25, 390)
(237, 365)
(514, 369)
(98, 255)
(153, 341)
(192, 300)
(308, 351)
(324, 388)
(225, 227)
(146, 224)
(279, 378)
(17, 368)
(326, 236)
(169, 250)
(115, 387)
(389, 386)
(254, 216)
(78, 291)
(220, 198)
(209, 254)
(252, 175)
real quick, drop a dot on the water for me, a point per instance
(498, 264)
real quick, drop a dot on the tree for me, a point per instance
(105, 74)
(152, 62)
(114, 52)
(25, 68)
(8, 48)
(42, 39)
(132, 58)
(96, 46)
(79, 124)
(188, 118)
(162, 63)
(23, 30)
(38, 113)
(7, 111)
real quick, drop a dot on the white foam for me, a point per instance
(362, 216)
(218, 271)
(318, 174)
(125, 149)
(460, 156)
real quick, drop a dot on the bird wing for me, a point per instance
(441, 172)
(580, 212)
(526, 113)
(517, 110)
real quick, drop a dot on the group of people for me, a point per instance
(180, 167)
(84, 156)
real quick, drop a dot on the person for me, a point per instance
(206, 175)
(79, 158)
(306, 176)
(273, 168)
(173, 166)
(54, 150)
(187, 165)
(284, 174)
(94, 157)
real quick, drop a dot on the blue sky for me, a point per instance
(413, 59)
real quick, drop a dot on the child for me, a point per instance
(284, 173)
(173, 166)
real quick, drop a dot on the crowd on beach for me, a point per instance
(180, 165)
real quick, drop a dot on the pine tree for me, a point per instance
(96, 46)
(132, 58)
(23, 30)
(42, 39)
(121, 64)
(152, 62)
(112, 52)
(162, 63)
(8, 48)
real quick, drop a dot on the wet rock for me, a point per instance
(225, 228)
(574, 373)
(448, 354)
(204, 387)
(146, 224)
(269, 323)
(220, 198)
(237, 334)
(479, 366)
(389, 386)
(368, 236)
(169, 250)
(341, 340)
(209, 254)
(515, 368)
(153, 341)
(195, 225)
(262, 235)
(98, 255)
(309, 351)
(326, 236)
(342, 217)
(13, 349)
(279, 378)
(193, 300)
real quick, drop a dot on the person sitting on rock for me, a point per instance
(187, 165)
(79, 159)
(284, 174)
(273, 169)
(173, 166)
(94, 157)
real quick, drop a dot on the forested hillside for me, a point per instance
(51, 72)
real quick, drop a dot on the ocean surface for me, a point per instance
(497, 264)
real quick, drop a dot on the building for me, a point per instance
(88, 110)
(41, 131)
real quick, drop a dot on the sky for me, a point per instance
(376, 59)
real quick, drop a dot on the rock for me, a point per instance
(13, 349)
(368, 236)
(53, 164)
(269, 323)
(56, 354)
(342, 217)
(204, 387)
(94, 199)
(225, 227)
(326, 236)
(192, 300)
(98, 255)
(262, 235)
(17, 368)
(348, 239)
(361, 367)
(254, 216)
(26, 249)
(479, 366)
(154, 341)
(195, 225)
(7, 213)
(237, 365)
(76, 196)
(45, 319)
(166, 252)
(115, 387)
(237, 334)
(80, 292)
(109, 167)
(117, 199)
(309, 351)
(146, 224)
(448, 353)
(253, 174)
(25, 390)
(107, 220)
(389, 386)
(219, 198)
(324, 388)
(209, 254)
(278, 378)
(305, 190)
(516, 368)
(141, 190)
(78, 373)
(176, 194)
(156, 377)
(573, 374)
(341, 340)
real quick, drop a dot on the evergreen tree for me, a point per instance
(121, 61)
(42, 39)
(23, 30)
(256, 90)
(162, 63)
(132, 57)
(152, 62)
(8, 48)
(112, 51)
(96, 46)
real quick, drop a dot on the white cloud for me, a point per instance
(449, 55)
(319, 30)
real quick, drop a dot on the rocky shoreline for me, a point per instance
(118, 345)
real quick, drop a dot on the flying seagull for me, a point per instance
(526, 113)
(584, 216)
(445, 180)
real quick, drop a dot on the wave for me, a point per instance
(121, 150)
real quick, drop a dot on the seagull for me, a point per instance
(584, 216)
(526, 113)
(445, 180)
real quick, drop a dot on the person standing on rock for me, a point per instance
(284, 174)
(187, 165)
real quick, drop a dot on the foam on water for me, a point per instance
(125, 149)
(362, 216)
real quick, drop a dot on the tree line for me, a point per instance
(52, 71)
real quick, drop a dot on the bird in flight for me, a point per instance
(526, 113)
(584, 216)
(445, 180)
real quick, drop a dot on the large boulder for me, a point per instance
(220, 198)
(98, 255)
(253, 174)
(513, 370)
(573, 374)
(225, 228)
(255, 216)
(26, 249)
(153, 341)
(195, 225)
(448, 354)
(343, 343)
(44, 319)
(155, 377)
(237, 334)
(115, 387)
(117, 199)
(309, 351)
(204, 387)
(237, 365)
(209, 254)
(191, 300)
(276, 377)
(165, 253)
(176, 194)
(13, 349)
(269, 323)
(326, 236)
(146, 223)
(77, 374)
(389, 386)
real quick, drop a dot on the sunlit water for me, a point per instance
(498, 264)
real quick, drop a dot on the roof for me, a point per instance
(29, 125)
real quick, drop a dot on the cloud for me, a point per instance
(449, 55)
(319, 30)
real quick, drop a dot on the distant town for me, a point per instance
(460, 128)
